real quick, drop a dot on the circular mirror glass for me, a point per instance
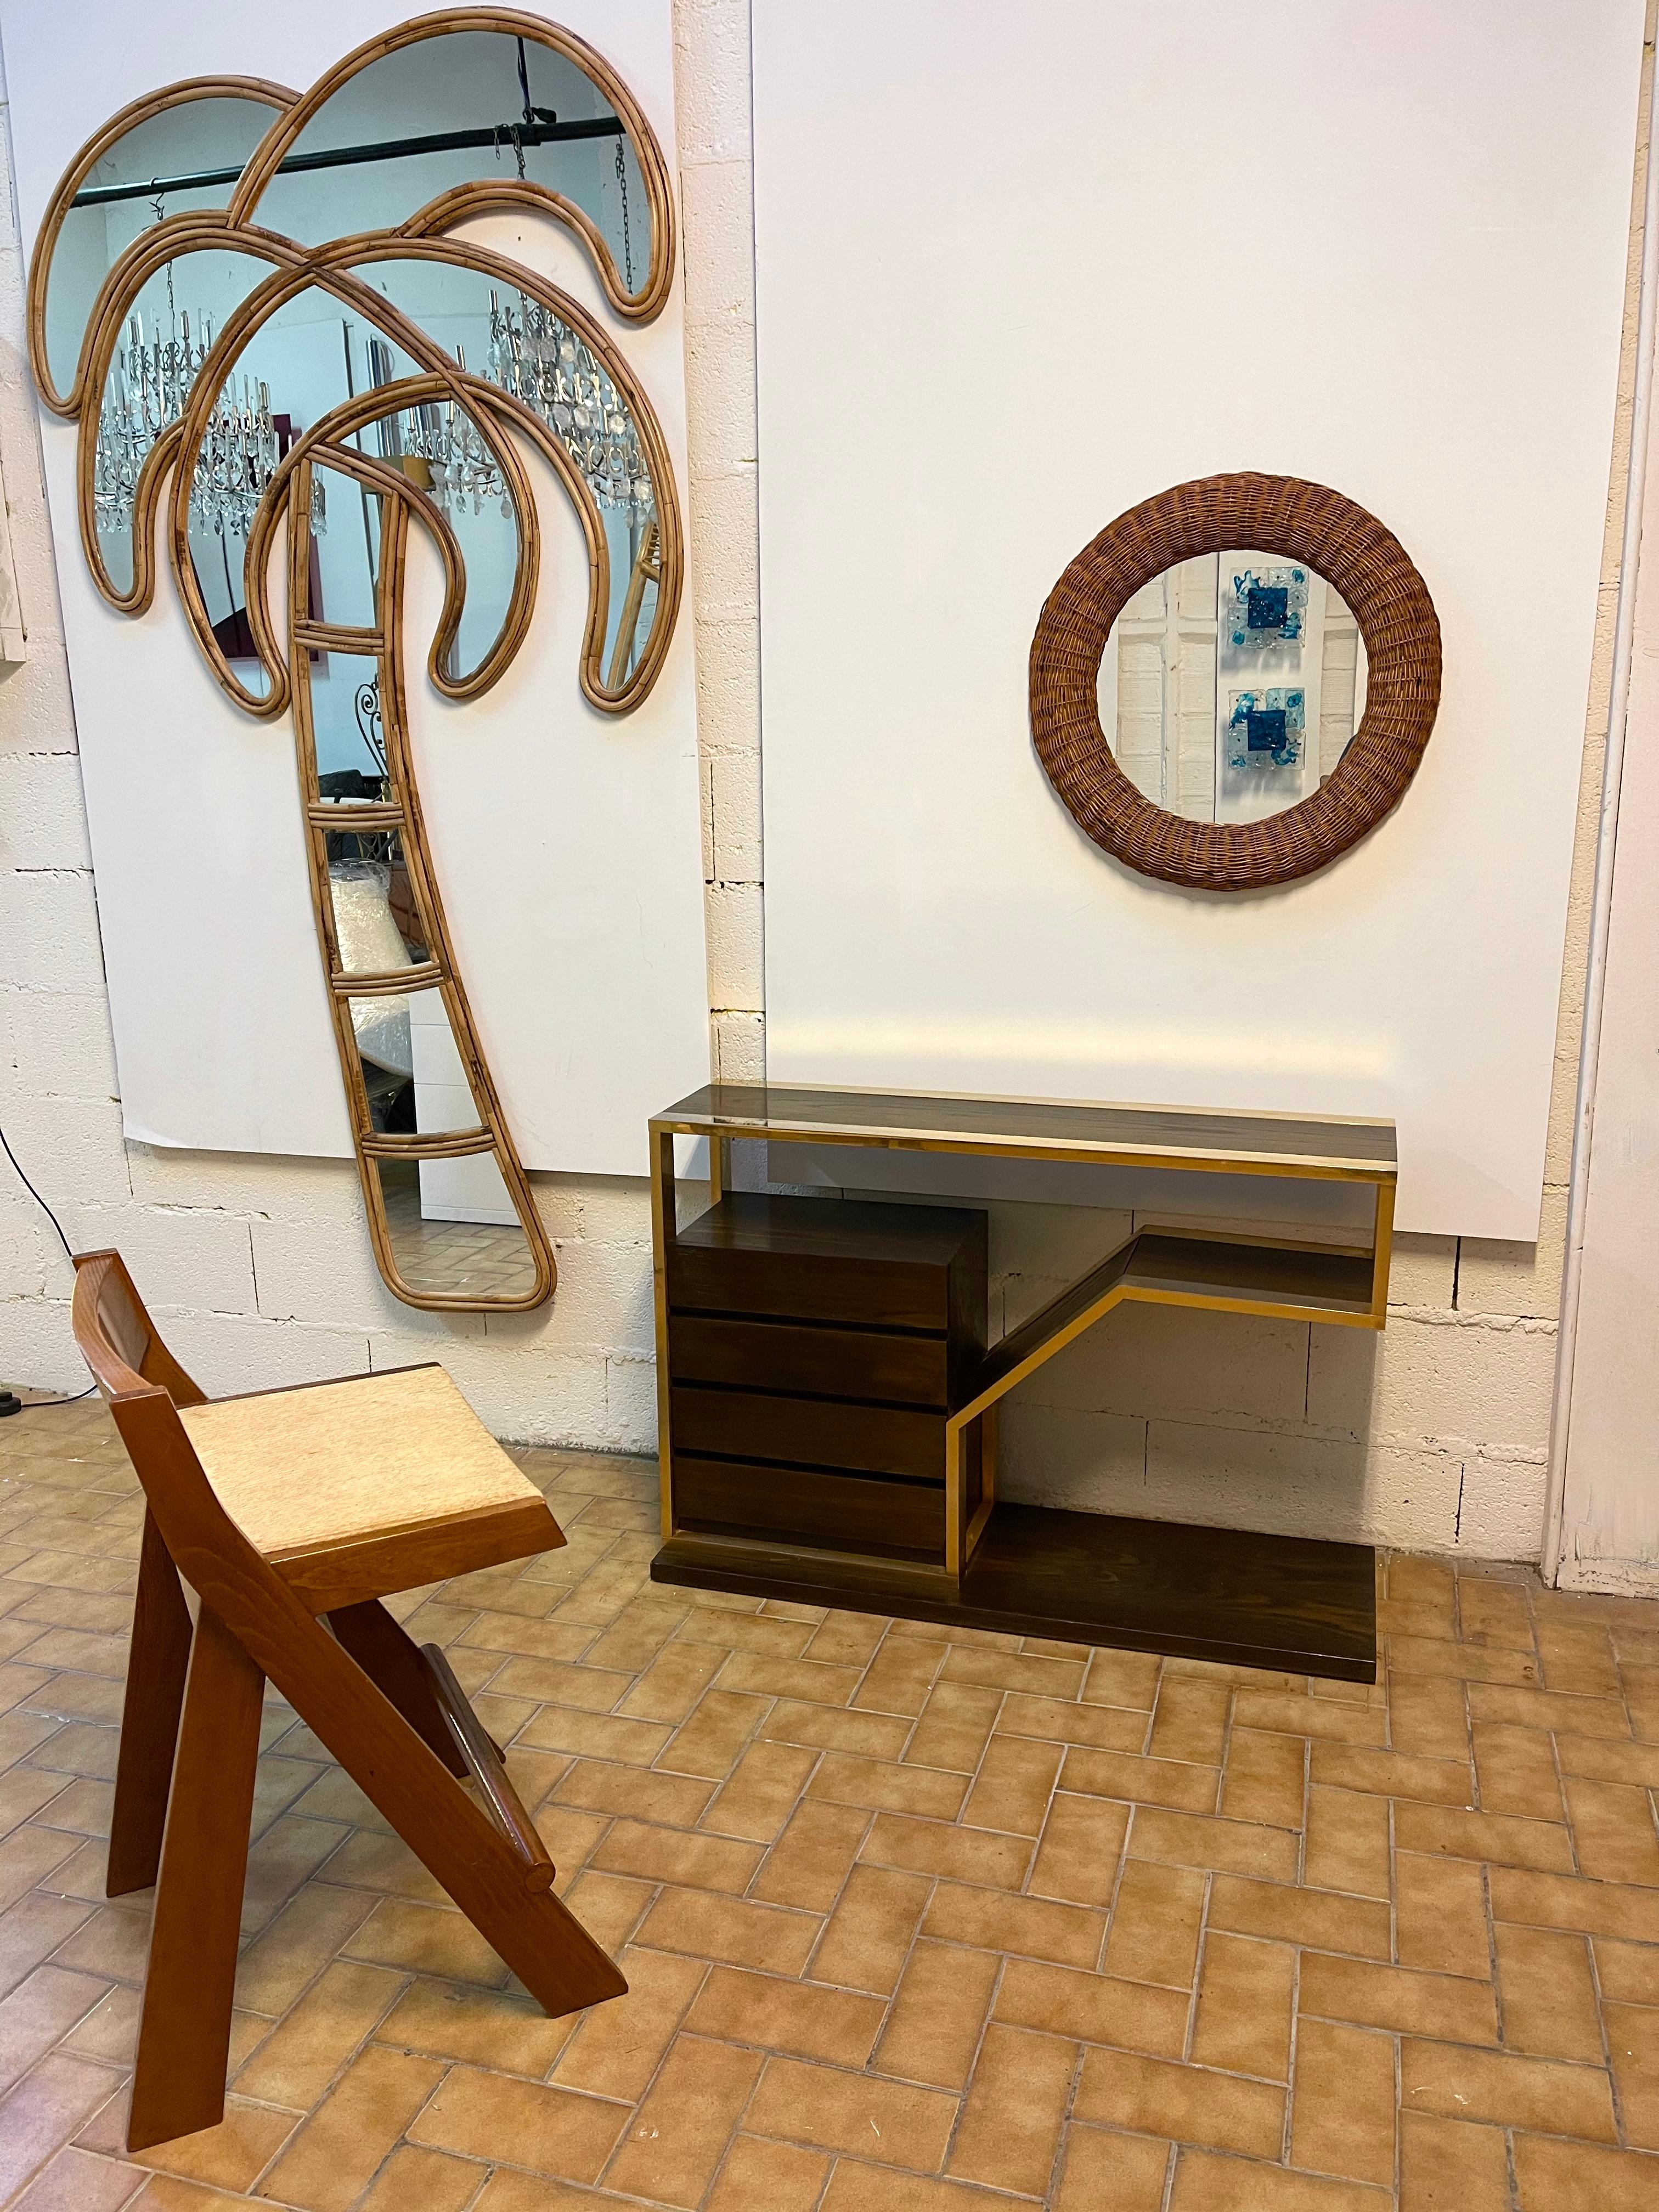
(1231, 685)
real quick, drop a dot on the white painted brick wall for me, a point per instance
(1432, 1435)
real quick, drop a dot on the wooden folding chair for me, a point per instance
(284, 1510)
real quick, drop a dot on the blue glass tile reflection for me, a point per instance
(1265, 729)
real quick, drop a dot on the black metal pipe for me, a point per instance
(505, 135)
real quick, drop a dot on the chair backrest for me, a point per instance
(118, 1339)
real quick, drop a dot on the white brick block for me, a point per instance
(1420, 1271)
(717, 208)
(557, 1398)
(559, 1201)
(49, 936)
(43, 817)
(734, 915)
(725, 547)
(1145, 1361)
(418, 1336)
(23, 1230)
(1343, 1370)
(31, 541)
(175, 1256)
(1564, 1092)
(1455, 1385)
(738, 1042)
(37, 1347)
(1495, 1278)
(1501, 1510)
(630, 1403)
(303, 1276)
(728, 681)
(734, 818)
(616, 1210)
(228, 1353)
(36, 713)
(723, 434)
(711, 80)
(70, 1150)
(604, 1299)
(1287, 1484)
(706, 815)
(324, 1194)
(62, 1044)
(1284, 1482)
(1411, 1500)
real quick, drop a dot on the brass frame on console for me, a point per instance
(331, 266)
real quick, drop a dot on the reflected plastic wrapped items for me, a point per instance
(370, 943)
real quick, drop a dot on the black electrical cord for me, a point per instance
(18, 1404)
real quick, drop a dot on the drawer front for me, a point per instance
(809, 1286)
(839, 1512)
(811, 1432)
(828, 1363)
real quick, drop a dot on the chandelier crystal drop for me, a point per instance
(540, 361)
(147, 394)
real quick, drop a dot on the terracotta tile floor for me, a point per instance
(481, 1257)
(913, 1922)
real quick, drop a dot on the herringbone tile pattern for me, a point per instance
(915, 1922)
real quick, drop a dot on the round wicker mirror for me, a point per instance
(1361, 561)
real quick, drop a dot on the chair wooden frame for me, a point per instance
(391, 1713)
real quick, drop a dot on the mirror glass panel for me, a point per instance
(204, 142)
(367, 160)
(1231, 686)
(413, 1073)
(349, 738)
(165, 336)
(454, 1230)
(310, 356)
(304, 360)
(516, 342)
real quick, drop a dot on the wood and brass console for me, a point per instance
(828, 1406)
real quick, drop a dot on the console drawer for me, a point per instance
(830, 1512)
(808, 1431)
(784, 1358)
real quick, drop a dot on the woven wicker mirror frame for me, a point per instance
(1360, 559)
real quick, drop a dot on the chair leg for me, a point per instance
(448, 1831)
(156, 1666)
(184, 2034)
(392, 1661)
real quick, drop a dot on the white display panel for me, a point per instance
(1019, 268)
(566, 841)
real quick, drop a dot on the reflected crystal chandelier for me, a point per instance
(540, 361)
(149, 390)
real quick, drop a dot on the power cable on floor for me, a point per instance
(9, 1401)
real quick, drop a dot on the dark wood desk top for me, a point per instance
(1142, 1136)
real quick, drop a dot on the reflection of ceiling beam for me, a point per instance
(504, 136)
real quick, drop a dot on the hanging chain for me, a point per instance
(628, 242)
(159, 204)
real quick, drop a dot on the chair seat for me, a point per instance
(359, 1488)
